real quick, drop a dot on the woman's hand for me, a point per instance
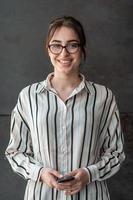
(81, 180)
(49, 176)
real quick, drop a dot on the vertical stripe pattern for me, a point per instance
(83, 132)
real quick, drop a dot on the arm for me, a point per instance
(112, 154)
(19, 151)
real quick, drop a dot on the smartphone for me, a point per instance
(65, 179)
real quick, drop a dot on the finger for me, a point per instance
(73, 173)
(68, 183)
(54, 184)
(72, 188)
(50, 181)
(56, 173)
(49, 176)
(67, 186)
(72, 192)
(64, 186)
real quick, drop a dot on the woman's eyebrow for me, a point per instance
(59, 41)
(73, 41)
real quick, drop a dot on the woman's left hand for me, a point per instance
(81, 180)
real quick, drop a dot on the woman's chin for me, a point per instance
(65, 68)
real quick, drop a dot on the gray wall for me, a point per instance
(109, 29)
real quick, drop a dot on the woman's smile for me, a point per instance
(65, 62)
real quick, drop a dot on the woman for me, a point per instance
(66, 125)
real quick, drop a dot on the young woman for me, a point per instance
(66, 125)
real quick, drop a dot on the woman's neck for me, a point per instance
(64, 85)
(66, 81)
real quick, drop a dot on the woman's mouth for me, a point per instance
(65, 62)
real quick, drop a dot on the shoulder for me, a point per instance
(31, 90)
(99, 91)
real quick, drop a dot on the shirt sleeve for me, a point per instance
(112, 153)
(19, 151)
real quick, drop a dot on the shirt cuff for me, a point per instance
(35, 175)
(94, 174)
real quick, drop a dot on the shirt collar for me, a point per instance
(45, 85)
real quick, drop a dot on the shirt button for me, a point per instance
(62, 149)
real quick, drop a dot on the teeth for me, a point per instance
(65, 61)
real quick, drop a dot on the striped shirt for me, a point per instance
(83, 131)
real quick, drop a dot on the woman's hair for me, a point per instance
(69, 22)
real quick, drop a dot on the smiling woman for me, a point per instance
(66, 60)
(65, 126)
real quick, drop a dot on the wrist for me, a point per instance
(42, 172)
(88, 174)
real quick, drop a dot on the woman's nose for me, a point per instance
(64, 52)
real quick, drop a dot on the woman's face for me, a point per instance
(65, 62)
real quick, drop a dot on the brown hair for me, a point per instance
(70, 22)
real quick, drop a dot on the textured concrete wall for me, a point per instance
(109, 30)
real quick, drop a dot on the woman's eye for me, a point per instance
(56, 46)
(73, 45)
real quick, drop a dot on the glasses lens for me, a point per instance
(55, 48)
(72, 47)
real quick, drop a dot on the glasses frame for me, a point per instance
(64, 47)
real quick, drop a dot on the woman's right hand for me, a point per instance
(49, 176)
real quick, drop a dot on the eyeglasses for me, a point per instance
(70, 48)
